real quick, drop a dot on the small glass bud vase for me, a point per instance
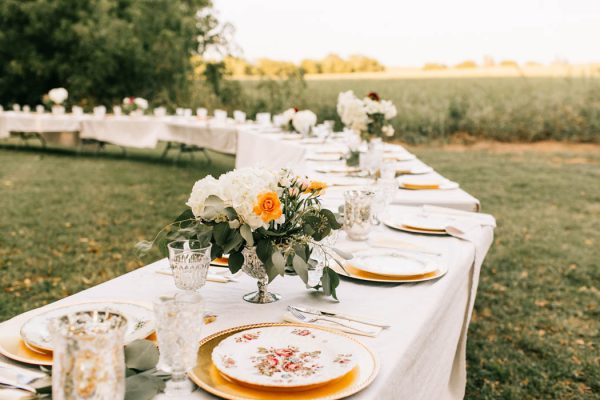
(89, 360)
(358, 213)
(58, 110)
(255, 268)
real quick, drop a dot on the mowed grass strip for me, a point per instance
(69, 222)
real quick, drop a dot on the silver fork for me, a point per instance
(306, 319)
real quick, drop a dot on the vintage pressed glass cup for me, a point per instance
(358, 212)
(89, 360)
(189, 261)
(178, 327)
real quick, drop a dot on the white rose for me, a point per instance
(287, 116)
(58, 95)
(127, 101)
(388, 130)
(343, 99)
(389, 109)
(141, 103)
(304, 120)
(202, 189)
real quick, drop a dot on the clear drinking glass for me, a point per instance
(319, 255)
(358, 211)
(189, 261)
(89, 361)
(178, 327)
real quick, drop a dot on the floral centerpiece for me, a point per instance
(135, 105)
(54, 100)
(369, 117)
(294, 120)
(267, 222)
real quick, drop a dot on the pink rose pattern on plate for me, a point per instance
(228, 362)
(247, 337)
(286, 363)
(303, 332)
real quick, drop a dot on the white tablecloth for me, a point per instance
(422, 355)
(221, 137)
(270, 150)
(267, 150)
(11, 121)
(127, 131)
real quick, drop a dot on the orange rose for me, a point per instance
(316, 186)
(268, 206)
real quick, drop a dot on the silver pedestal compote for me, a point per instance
(254, 267)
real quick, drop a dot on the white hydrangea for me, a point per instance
(384, 107)
(141, 103)
(202, 189)
(287, 115)
(238, 189)
(58, 95)
(303, 121)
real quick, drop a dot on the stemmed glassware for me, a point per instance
(178, 328)
(189, 261)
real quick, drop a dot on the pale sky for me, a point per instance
(411, 33)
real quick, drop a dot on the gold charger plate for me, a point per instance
(15, 348)
(355, 273)
(206, 375)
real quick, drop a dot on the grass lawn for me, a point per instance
(68, 222)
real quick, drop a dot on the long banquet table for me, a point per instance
(422, 355)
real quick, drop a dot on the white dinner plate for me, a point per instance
(285, 357)
(390, 262)
(425, 169)
(140, 321)
(419, 223)
(398, 156)
(348, 181)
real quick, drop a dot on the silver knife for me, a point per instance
(329, 314)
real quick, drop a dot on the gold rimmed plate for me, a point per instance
(355, 273)
(208, 377)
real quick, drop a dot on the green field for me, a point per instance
(505, 109)
(69, 222)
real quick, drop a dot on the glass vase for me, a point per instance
(256, 269)
(89, 360)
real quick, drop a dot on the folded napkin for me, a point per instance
(16, 394)
(482, 219)
(288, 317)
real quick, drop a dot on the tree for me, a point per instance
(102, 50)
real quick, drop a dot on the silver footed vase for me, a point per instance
(256, 269)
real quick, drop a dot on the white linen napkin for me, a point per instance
(16, 394)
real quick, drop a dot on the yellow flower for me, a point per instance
(268, 206)
(316, 186)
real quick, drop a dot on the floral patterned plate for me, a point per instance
(140, 321)
(285, 357)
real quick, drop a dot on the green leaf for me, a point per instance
(186, 218)
(278, 262)
(141, 355)
(246, 233)
(220, 233)
(301, 268)
(263, 250)
(330, 281)
(333, 222)
(216, 251)
(236, 260)
(143, 387)
(234, 241)
(231, 213)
